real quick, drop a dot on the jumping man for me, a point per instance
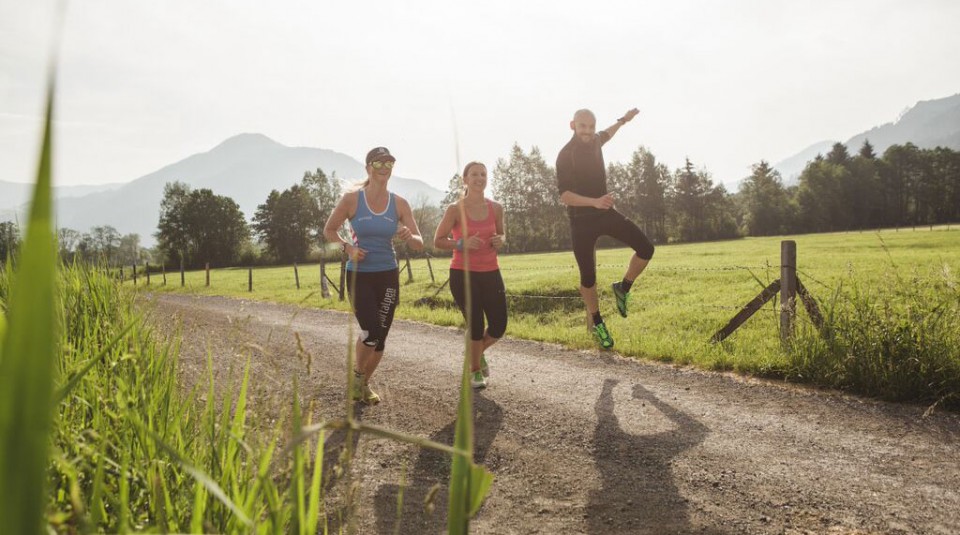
(582, 180)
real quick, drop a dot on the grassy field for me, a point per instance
(687, 293)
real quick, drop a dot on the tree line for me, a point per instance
(905, 186)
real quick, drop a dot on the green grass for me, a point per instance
(90, 409)
(688, 292)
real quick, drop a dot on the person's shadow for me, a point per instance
(637, 492)
(422, 507)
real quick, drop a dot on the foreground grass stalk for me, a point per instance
(28, 360)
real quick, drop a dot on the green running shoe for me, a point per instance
(369, 396)
(623, 298)
(477, 380)
(484, 367)
(600, 331)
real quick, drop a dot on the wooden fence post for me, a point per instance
(146, 271)
(163, 270)
(409, 271)
(343, 276)
(134, 268)
(182, 271)
(324, 287)
(207, 268)
(296, 275)
(430, 267)
(788, 288)
(121, 273)
(250, 279)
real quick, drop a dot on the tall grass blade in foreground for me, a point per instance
(28, 361)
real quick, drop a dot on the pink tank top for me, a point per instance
(484, 258)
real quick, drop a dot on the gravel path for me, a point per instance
(590, 442)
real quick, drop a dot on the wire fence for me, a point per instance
(332, 277)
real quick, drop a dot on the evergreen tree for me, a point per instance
(687, 203)
(527, 188)
(765, 202)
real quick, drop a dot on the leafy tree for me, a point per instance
(720, 213)
(427, 215)
(173, 237)
(106, 241)
(287, 223)
(129, 250)
(819, 197)
(198, 226)
(325, 192)
(898, 176)
(67, 240)
(454, 191)
(216, 228)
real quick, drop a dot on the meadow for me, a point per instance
(688, 292)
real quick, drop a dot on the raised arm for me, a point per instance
(627, 117)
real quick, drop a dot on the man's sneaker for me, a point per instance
(600, 331)
(484, 367)
(369, 396)
(477, 380)
(623, 298)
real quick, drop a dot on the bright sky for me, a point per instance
(146, 83)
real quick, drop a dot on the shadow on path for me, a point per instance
(432, 469)
(637, 492)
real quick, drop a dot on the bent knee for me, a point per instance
(645, 252)
(497, 330)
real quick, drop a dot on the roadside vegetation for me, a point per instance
(889, 297)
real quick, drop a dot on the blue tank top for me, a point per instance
(373, 232)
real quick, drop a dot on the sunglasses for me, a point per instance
(381, 165)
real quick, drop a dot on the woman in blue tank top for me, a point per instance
(376, 218)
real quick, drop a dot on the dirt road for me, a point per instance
(590, 442)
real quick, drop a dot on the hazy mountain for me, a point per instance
(791, 168)
(928, 124)
(14, 194)
(245, 167)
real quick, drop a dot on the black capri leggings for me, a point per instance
(487, 298)
(586, 229)
(374, 296)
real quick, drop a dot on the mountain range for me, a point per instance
(245, 168)
(928, 124)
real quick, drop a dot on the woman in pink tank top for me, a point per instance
(473, 228)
